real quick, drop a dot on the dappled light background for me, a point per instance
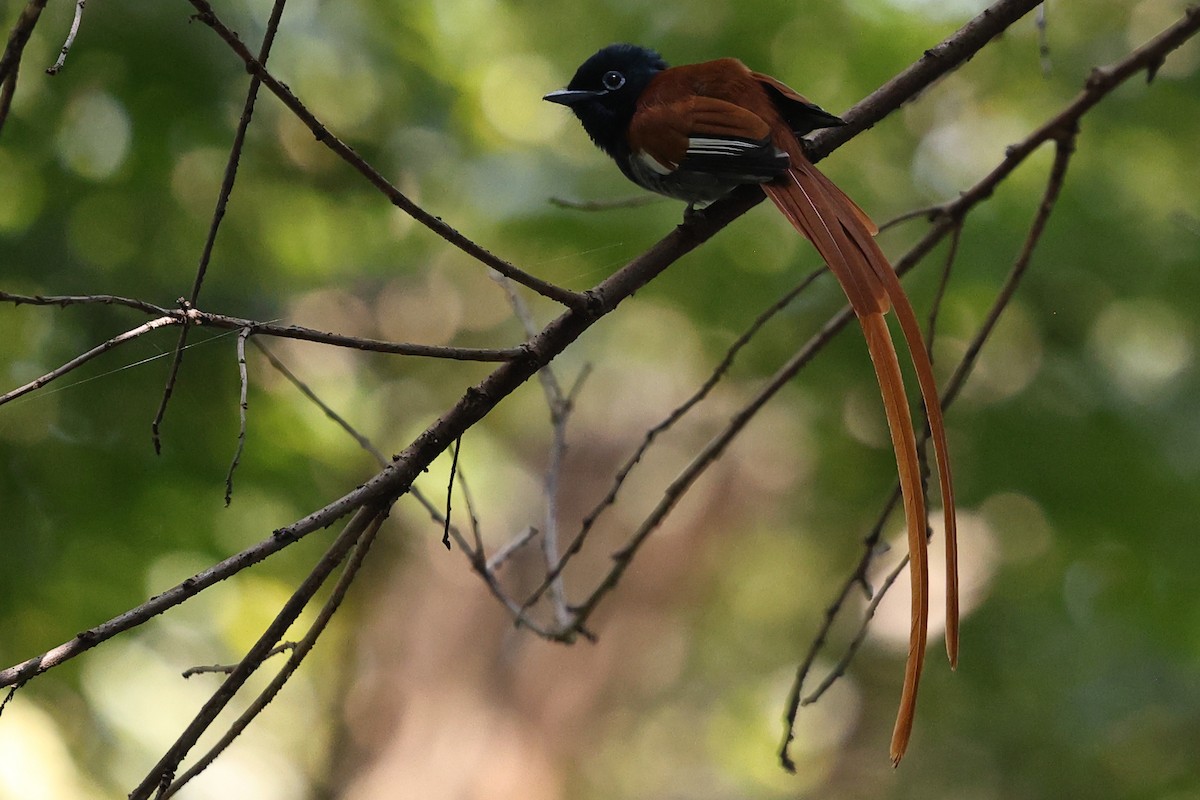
(1076, 441)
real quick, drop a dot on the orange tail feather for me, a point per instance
(843, 235)
(911, 329)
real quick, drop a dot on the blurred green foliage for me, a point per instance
(1077, 444)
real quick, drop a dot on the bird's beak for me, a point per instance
(571, 97)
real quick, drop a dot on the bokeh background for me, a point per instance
(1076, 443)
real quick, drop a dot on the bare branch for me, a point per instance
(472, 514)
(506, 552)
(559, 405)
(936, 305)
(10, 62)
(677, 414)
(299, 650)
(928, 213)
(936, 62)
(64, 300)
(225, 669)
(450, 494)
(337, 418)
(66, 48)
(82, 359)
(162, 772)
(9, 695)
(568, 298)
(701, 461)
(231, 168)
(196, 317)
(243, 405)
(839, 669)
(300, 333)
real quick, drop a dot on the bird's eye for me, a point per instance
(613, 80)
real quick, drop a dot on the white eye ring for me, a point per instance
(613, 80)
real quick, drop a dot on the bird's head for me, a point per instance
(605, 90)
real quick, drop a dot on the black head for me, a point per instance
(605, 89)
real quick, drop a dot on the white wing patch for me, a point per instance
(706, 146)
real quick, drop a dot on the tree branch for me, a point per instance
(350, 156)
(231, 168)
(160, 775)
(10, 62)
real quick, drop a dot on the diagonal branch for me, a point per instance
(160, 775)
(208, 16)
(83, 358)
(299, 650)
(10, 62)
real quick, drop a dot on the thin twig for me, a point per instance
(839, 669)
(301, 333)
(8, 88)
(66, 48)
(928, 213)
(9, 695)
(10, 62)
(160, 776)
(858, 577)
(243, 405)
(513, 545)
(493, 563)
(560, 412)
(1064, 148)
(936, 305)
(472, 514)
(337, 418)
(1044, 41)
(450, 494)
(225, 669)
(571, 299)
(62, 301)
(560, 405)
(231, 168)
(480, 566)
(708, 455)
(82, 359)
(299, 649)
(197, 318)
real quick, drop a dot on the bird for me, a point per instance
(697, 132)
